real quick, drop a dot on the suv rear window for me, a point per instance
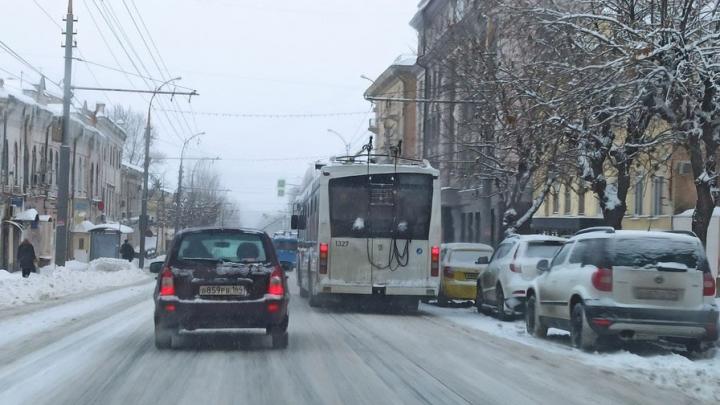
(639, 252)
(468, 256)
(285, 244)
(234, 247)
(543, 250)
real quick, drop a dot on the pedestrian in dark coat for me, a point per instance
(126, 251)
(26, 257)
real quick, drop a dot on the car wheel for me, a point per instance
(163, 338)
(313, 299)
(533, 324)
(500, 304)
(280, 340)
(581, 335)
(480, 300)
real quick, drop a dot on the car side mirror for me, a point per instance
(543, 266)
(156, 267)
(483, 260)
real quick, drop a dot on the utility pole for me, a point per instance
(61, 231)
(178, 200)
(146, 169)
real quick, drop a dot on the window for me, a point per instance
(478, 232)
(581, 200)
(555, 200)
(231, 246)
(468, 256)
(658, 195)
(543, 249)
(502, 251)
(381, 206)
(561, 255)
(568, 200)
(639, 192)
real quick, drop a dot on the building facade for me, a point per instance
(31, 125)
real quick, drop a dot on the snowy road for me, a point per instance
(100, 350)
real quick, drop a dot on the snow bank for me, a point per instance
(54, 282)
(695, 377)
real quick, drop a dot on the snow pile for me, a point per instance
(108, 264)
(696, 377)
(76, 277)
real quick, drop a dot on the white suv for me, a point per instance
(513, 266)
(627, 285)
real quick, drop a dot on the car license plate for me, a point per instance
(235, 290)
(471, 276)
(662, 294)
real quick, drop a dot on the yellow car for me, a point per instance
(461, 263)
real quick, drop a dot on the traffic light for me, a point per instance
(281, 188)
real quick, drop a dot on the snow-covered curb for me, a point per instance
(54, 282)
(698, 378)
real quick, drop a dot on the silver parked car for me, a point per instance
(513, 266)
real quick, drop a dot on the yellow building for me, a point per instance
(660, 188)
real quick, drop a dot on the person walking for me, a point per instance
(126, 251)
(26, 257)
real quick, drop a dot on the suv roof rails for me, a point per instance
(688, 233)
(606, 229)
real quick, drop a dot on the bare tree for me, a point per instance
(133, 123)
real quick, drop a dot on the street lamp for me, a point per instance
(178, 201)
(342, 138)
(146, 170)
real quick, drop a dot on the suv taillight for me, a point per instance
(275, 286)
(324, 252)
(435, 261)
(167, 283)
(602, 279)
(708, 285)
(448, 272)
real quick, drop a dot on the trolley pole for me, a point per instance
(61, 231)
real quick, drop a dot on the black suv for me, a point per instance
(219, 278)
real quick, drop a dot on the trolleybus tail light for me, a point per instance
(324, 250)
(435, 261)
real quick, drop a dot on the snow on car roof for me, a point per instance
(635, 234)
(537, 238)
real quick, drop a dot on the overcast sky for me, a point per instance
(243, 57)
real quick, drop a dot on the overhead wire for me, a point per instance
(112, 23)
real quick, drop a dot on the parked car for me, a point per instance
(512, 268)
(220, 278)
(627, 285)
(461, 264)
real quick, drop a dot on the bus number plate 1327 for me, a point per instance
(342, 243)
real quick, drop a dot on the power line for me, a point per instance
(24, 61)
(50, 17)
(83, 60)
(251, 115)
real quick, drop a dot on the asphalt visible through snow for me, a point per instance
(96, 350)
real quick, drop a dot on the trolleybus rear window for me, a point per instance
(381, 206)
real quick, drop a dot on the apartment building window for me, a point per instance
(463, 227)
(639, 192)
(658, 183)
(555, 200)
(581, 200)
(568, 200)
(478, 231)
